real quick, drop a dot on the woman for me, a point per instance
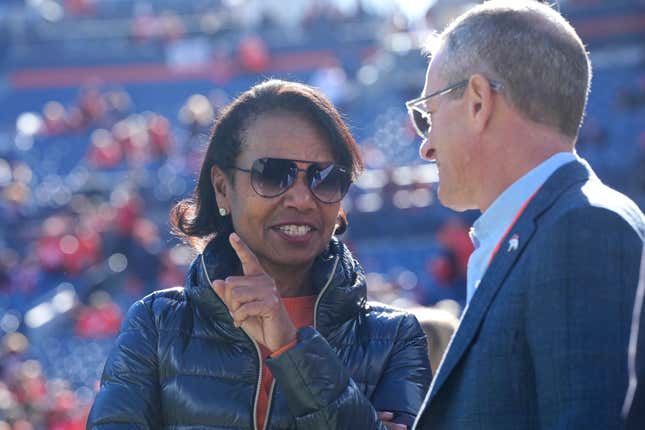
(272, 330)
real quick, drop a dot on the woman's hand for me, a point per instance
(254, 301)
(386, 418)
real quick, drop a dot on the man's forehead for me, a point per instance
(433, 75)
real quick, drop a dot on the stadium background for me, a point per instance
(107, 105)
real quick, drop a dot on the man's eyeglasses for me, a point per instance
(271, 177)
(419, 115)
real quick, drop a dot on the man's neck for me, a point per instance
(517, 162)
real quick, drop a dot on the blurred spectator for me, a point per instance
(171, 26)
(170, 274)
(592, 135)
(67, 247)
(253, 54)
(448, 267)
(444, 268)
(80, 7)
(453, 235)
(333, 82)
(105, 151)
(14, 345)
(149, 27)
(102, 318)
(439, 326)
(159, 133)
(118, 104)
(632, 98)
(48, 245)
(91, 104)
(54, 115)
(28, 400)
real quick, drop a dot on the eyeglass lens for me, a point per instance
(271, 177)
(421, 122)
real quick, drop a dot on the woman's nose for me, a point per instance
(299, 195)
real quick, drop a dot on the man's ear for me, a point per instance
(480, 101)
(222, 187)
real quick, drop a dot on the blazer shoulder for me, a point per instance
(594, 203)
(586, 225)
(585, 241)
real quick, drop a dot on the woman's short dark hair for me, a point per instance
(196, 219)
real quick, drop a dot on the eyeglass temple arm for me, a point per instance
(495, 86)
(239, 168)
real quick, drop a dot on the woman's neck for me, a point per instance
(290, 281)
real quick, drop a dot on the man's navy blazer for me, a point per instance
(543, 342)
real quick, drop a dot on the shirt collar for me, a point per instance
(502, 211)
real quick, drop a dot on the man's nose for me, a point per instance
(426, 150)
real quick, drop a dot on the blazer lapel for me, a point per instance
(474, 313)
(502, 263)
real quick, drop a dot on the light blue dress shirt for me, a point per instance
(490, 227)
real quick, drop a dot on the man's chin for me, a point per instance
(453, 202)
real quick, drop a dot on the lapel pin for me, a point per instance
(513, 243)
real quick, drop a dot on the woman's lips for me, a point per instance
(294, 233)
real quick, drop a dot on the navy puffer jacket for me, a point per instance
(180, 363)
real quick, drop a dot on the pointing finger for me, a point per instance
(250, 263)
(385, 416)
(218, 286)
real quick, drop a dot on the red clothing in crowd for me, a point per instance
(100, 321)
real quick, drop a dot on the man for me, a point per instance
(551, 283)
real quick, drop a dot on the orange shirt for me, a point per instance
(301, 312)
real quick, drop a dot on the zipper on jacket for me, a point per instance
(324, 289)
(258, 385)
(266, 417)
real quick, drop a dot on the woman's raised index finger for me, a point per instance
(250, 263)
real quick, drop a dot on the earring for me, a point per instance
(222, 212)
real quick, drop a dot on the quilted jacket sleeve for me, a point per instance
(321, 394)
(129, 393)
(406, 379)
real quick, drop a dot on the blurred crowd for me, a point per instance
(28, 399)
(86, 185)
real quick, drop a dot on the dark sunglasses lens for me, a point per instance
(330, 183)
(271, 177)
(420, 122)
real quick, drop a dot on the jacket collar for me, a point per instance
(338, 280)
(340, 284)
(562, 179)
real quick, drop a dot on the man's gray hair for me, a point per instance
(528, 47)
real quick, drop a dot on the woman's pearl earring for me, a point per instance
(222, 212)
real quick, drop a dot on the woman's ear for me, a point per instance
(222, 187)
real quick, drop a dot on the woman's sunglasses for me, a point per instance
(271, 177)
